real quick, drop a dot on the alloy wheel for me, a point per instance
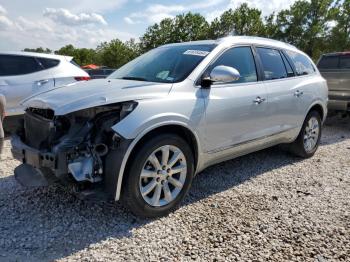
(311, 134)
(163, 175)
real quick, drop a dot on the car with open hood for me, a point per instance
(143, 133)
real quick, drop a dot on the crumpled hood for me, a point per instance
(87, 94)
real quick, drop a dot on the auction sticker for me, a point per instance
(196, 52)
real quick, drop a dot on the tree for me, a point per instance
(182, 28)
(339, 37)
(116, 53)
(241, 21)
(82, 56)
(305, 25)
(38, 50)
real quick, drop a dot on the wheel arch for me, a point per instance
(177, 128)
(320, 109)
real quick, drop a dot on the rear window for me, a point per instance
(48, 62)
(11, 65)
(74, 63)
(344, 62)
(302, 63)
(328, 62)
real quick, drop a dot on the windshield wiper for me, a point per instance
(134, 78)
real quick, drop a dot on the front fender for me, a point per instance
(134, 142)
(151, 114)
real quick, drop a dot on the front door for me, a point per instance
(235, 112)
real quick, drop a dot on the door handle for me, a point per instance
(42, 82)
(298, 93)
(258, 100)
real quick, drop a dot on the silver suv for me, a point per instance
(143, 133)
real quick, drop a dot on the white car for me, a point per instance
(24, 74)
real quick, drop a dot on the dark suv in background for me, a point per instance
(335, 68)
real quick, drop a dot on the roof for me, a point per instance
(231, 40)
(241, 40)
(23, 53)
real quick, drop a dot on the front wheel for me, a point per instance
(309, 137)
(159, 176)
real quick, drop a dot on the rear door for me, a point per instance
(20, 78)
(283, 107)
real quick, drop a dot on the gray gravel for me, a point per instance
(265, 206)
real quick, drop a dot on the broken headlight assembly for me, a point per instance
(85, 163)
(75, 144)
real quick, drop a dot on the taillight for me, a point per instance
(82, 78)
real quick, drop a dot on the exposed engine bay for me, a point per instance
(71, 146)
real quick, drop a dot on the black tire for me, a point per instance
(131, 195)
(298, 146)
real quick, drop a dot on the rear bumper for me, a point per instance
(336, 105)
(339, 101)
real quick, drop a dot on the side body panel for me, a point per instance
(16, 88)
(184, 106)
(232, 116)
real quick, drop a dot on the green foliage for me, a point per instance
(83, 56)
(241, 21)
(314, 26)
(305, 25)
(339, 37)
(116, 53)
(184, 27)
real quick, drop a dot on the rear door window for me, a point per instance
(11, 65)
(328, 62)
(273, 65)
(344, 62)
(302, 63)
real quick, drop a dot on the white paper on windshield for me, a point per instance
(196, 52)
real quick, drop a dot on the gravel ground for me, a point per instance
(264, 206)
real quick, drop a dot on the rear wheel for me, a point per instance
(308, 139)
(159, 176)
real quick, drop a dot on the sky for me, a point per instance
(86, 23)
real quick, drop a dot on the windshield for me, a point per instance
(167, 64)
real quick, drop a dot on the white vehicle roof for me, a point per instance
(230, 40)
(33, 54)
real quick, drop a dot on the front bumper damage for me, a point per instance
(80, 149)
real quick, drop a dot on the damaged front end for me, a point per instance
(75, 147)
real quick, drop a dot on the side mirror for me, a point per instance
(222, 74)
